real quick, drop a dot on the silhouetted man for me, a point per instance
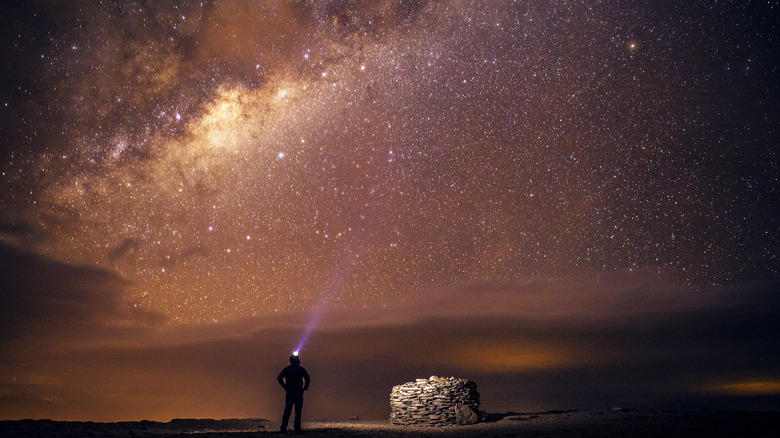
(294, 379)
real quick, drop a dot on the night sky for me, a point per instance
(573, 203)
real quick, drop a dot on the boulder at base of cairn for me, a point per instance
(465, 415)
(432, 402)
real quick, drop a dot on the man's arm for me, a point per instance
(280, 379)
(305, 380)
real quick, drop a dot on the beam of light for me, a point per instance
(331, 292)
(313, 321)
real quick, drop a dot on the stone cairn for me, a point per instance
(431, 402)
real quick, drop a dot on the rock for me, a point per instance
(465, 415)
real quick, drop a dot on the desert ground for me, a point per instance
(609, 423)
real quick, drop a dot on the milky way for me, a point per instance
(232, 159)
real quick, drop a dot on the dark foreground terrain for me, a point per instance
(612, 423)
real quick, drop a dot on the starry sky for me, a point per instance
(203, 169)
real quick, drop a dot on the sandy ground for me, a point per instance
(612, 423)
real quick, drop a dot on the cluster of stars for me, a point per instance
(407, 145)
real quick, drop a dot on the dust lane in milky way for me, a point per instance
(232, 160)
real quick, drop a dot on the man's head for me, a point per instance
(295, 360)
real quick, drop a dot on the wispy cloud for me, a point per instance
(73, 349)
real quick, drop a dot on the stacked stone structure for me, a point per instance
(431, 402)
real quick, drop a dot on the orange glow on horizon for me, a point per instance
(503, 357)
(748, 387)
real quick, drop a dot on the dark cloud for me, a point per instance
(173, 260)
(22, 229)
(126, 247)
(44, 301)
(524, 343)
(537, 351)
(48, 306)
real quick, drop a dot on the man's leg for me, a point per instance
(298, 409)
(288, 404)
